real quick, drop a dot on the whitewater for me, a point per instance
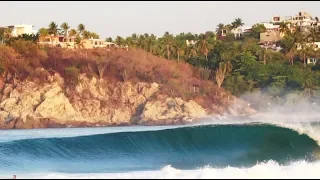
(265, 145)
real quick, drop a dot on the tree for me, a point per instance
(94, 35)
(191, 51)
(263, 52)
(257, 29)
(313, 36)
(65, 27)
(203, 46)
(302, 44)
(43, 33)
(119, 41)
(53, 29)
(2, 35)
(284, 29)
(219, 28)
(81, 29)
(86, 34)
(109, 39)
(72, 32)
(225, 66)
(179, 47)
(6, 34)
(237, 23)
(168, 42)
(79, 43)
(288, 43)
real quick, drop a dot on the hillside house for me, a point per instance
(302, 19)
(17, 30)
(51, 40)
(93, 43)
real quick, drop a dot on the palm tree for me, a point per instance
(141, 42)
(129, 42)
(81, 28)
(152, 43)
(301, 41)
(43, 32)
(225, 67)
(119, 41)
(86, 34)
(53, 29)
(284, 29)
(94, 35)
(192, 51)
(65, 28)
(79, 43)
(134, 36)
(219, 28)
(263, 53)
(179, 47)
(237, 23)
(203, 46)
(226, 56)
(168, 42)
(72, 32)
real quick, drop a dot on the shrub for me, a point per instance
(71, 75)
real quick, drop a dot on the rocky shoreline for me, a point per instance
(91, 103)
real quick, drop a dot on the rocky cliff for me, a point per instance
(92, 102)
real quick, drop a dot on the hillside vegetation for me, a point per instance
(23, 60)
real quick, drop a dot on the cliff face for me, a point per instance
(92, 102)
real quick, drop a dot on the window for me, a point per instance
(95, 43)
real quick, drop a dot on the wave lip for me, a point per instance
(219, 146)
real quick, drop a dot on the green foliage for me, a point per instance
(257, 29)
(72, 74)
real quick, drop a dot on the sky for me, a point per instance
(113, 18)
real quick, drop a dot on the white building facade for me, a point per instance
(20, 29)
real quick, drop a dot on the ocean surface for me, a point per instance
(263, 147)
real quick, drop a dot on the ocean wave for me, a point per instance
(238, 145)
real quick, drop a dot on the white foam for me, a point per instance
(270, 169)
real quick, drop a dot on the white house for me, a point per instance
(20, 29)
(190, 42)
(240, 30)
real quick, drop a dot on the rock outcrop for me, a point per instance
(92, 102)
(171, 111)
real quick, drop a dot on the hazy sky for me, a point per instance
(124, 18)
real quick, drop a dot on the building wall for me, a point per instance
(93, 43)
(87, 44)
(22, 29)
(270, 36)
